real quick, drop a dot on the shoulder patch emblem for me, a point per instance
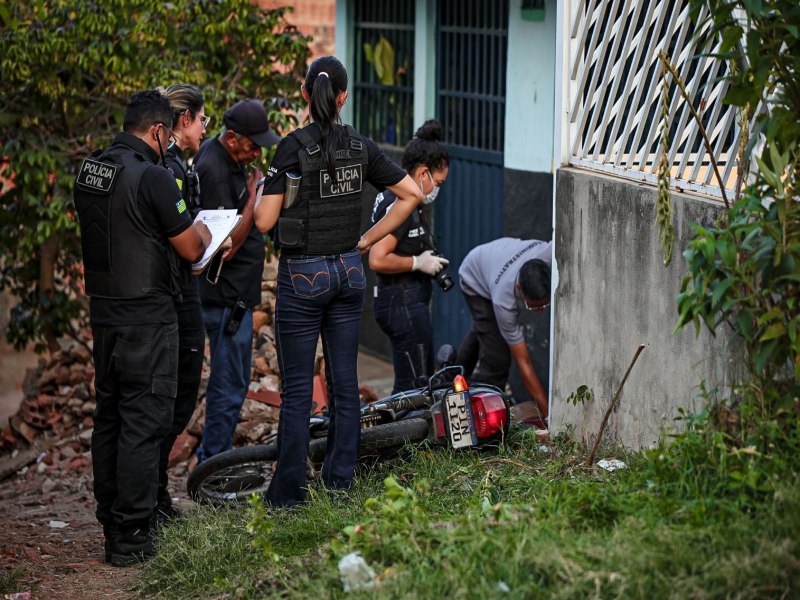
(181, 206)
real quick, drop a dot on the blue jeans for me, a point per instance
(401, 311)
(228, 380)
(317, 295)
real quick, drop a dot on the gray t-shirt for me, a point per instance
(490, 271)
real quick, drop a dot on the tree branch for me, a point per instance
(668, 65)
(590, 458)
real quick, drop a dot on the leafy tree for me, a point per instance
(745, 270)
(68, 68)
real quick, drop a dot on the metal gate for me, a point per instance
(472, 47)
(615, 94)
(384, 106)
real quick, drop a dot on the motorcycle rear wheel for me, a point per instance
(230, 477)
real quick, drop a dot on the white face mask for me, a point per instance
(433, 193)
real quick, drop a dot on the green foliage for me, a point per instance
(520, 524)
(68, 69)
(261, 528)
(582, 395)
(11, 580)
(745, 270)
(392, 525)
(761, 42)
(728, 459)
(206, 550)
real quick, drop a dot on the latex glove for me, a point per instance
(428, 263)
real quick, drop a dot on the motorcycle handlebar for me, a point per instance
(412, 402)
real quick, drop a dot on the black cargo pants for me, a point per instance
(136, 382)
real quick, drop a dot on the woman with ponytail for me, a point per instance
(406, 261)
(312, 201)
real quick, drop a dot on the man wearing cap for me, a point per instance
(228, 299)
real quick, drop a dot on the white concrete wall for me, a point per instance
(344, 47)
(530, 90)
(614, 293)
(424, 62)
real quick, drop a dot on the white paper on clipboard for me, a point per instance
(220, 223)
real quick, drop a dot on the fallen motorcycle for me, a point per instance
(446, 412)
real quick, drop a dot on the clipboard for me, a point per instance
(220, 223)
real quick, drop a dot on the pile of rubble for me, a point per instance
(59, 397)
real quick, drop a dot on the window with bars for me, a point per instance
(615, 94)
(384, 109)
(471, 72)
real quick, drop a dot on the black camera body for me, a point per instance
(443, 277)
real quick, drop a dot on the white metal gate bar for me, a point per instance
(615, 92)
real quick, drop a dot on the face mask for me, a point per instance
(429, 198)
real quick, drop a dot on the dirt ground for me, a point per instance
(47, 526)
(48, 529)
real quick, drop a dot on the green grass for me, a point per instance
(12, 580)
(516, 524)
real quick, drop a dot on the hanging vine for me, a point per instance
(664, 199)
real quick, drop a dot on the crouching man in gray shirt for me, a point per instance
(499, 279)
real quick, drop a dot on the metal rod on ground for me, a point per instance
(611, 406)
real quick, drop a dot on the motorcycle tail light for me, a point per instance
(489, 413)
(438, 418)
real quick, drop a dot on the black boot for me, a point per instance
(111, 533)
(132, 546)
(163, 514)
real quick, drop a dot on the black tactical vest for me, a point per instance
(326, 217)
(122, 258)
(418, 236)
(416, 240)
(187, 178)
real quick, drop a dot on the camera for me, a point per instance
(443, 277)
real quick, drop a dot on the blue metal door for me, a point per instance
(472, 42)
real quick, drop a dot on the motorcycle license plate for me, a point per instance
(459, 423)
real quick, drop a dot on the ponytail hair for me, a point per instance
(325, 80)
(426, 148)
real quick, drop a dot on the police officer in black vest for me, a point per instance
(406, 260)
(320, 277)
(133, 221)
(188, 129)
